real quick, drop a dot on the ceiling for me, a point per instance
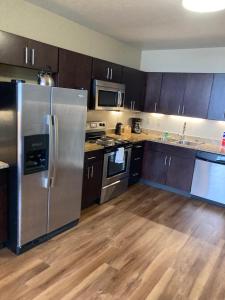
(148, 24)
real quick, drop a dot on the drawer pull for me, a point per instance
(135, 174)
(137, 158)
(91, 158)
(138, 146)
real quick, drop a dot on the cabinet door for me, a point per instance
(154, 165)
(74, 70)
(3, 206)
(172, 93)
(197, 95)
(13, 49)
(180, 172)
(136, 163)
(217, 100)
(153, 90)
(135, 88)
(92, 179)
(104, 70)
(43, 56)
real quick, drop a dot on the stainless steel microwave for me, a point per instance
(108, 95)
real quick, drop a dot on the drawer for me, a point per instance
(138, 149)
(93, 156)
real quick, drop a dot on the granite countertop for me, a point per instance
(212, 146)
(3, 165)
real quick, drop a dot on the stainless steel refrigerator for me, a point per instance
(42, 133)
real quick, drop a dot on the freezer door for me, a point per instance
(69, 109)
(33, 106)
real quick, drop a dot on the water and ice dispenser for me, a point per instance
(36, 150)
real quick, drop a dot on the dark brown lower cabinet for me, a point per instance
(3, 206)
(136, 163)
(92, 178)
(169, 165)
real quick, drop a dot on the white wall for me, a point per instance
(205, 60)
(22, 18)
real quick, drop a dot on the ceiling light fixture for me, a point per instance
(204, 6)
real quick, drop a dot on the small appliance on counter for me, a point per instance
(136, 125)
(116, 165)
(119, 128)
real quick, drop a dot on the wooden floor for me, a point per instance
(146, 244)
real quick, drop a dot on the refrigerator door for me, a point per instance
(33, 106)
(69, 110)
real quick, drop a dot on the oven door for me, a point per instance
(116, 166)
(108, 98)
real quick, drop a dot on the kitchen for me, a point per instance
(149, 177)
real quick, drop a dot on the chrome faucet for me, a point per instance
(182, 137)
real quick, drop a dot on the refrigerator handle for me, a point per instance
(55, 147)
(47, 181)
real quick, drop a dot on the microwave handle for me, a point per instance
(119, 102)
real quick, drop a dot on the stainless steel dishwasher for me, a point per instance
(209, 177)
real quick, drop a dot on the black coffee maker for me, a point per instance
(118, 129)
(136, 125)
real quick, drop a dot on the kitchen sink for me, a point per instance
(166, 140)
(188, 143)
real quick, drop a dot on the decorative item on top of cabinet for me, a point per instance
(153, 90)
(217, 100)
(197, 95)
(172, 93)
(3, 206)
(135, 82)
(169, 165)
(92, 178)
(136, 162)
(74, 70)
(104, 70)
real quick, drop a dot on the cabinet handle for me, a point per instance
(183, 110)
(135, 174)
(88, 173)
(170, 160)
(107, 76)
(92, 171)
(26, 55)
(32, 56)
(138, 146)
(134, 106)
(111, 74)
(155, 107)
(165, 160)
(91, 158)
(178, 111)
(131, 105)
(137, 158)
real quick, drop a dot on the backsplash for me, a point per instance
(174, 124)
(111, 117)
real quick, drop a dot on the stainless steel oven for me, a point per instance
(108, 95)
(116, 169)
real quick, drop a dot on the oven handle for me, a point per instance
(112, 184)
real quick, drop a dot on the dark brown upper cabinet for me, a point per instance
(217, 100)
(153, 90)
(23, 52)
(74, 70)
(197, 95)
(42, 56)
(104, 70)
(13, 49)
(135, 88)
(172, 93)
